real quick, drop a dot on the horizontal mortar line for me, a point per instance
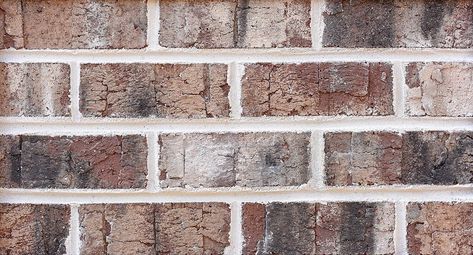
(268, 124)
(229, 195)
(236, 55)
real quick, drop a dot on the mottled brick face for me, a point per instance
(306, 228)
(398, 23)
(11, 27)
(383, 158)
(33, 229)
(235, 24)
(241, 159)
(177, 228)
(317, 89)
(34, 89)
(440, 228)
(439, 89)
(73, 162)
(161, 90)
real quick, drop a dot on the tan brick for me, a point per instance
(34, 89)
(234, 159)
(33, 229)
(161, 90)
(235, 24)
(439, 89)
(310, 89)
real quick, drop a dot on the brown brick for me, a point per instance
(398, 23)
(74, 162)
(174, 228)
(34, 89)
(439, 89)
(162, 90)
(235, 24)
(307, 228)
(383, 158)
(234, 159)
(33, 229)
(74, 24)
(440, 228)
(317, 89)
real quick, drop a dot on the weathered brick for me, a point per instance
(235, 24)
(317, 89)
(34, 89)
(383, 158)
(440, 228)
(33, 229)
(307, 228)
(398, 23)
(439, 89)
(234, 159)
(174, 228)
(73, 162)
(73, 24)
(162, 90)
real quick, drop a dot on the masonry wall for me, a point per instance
(236, 127)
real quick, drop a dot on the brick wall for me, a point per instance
(236, 127)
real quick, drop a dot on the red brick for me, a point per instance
(34, 89)
(148, 90)
(33, 229)
(11, 24)
(310, 89)
(235, 24)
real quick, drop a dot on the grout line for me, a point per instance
(75, 91)
(317, 159)
(236, 236)
(400, 230)
(153, 154)
(398, 89)
(153, 25)
(316, 23)
(74, 232)
(235, 74)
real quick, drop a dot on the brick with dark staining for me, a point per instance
(235, 24)
(154, 90)
(440, 228)
(398, 23)
(11, 24)
(311, 89)
(34, 89)
(308, 228)
(33, 229)
(172, 228)
(74, 162)
(234, 159)
(439, 89)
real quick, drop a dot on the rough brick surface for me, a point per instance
(317, 89)
(177, 228)
(73, 162)
(162, 90)
(235, 24)
(306, 228)
(234, 159)
(34, 89)
(380, 158)
(33, 229)
(439, 89)
(11, 27)
(440, 228)
(399, 23)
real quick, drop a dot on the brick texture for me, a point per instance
(235, 24)
(238, 159)
(73, 162)
(317, 89)
(439, 89)
(174, 228)
(33, 229)
(307, 228)
(73, 24)
(161, 90)
(398, 23)
(383, 158)
(34, 89)
(440, 228)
